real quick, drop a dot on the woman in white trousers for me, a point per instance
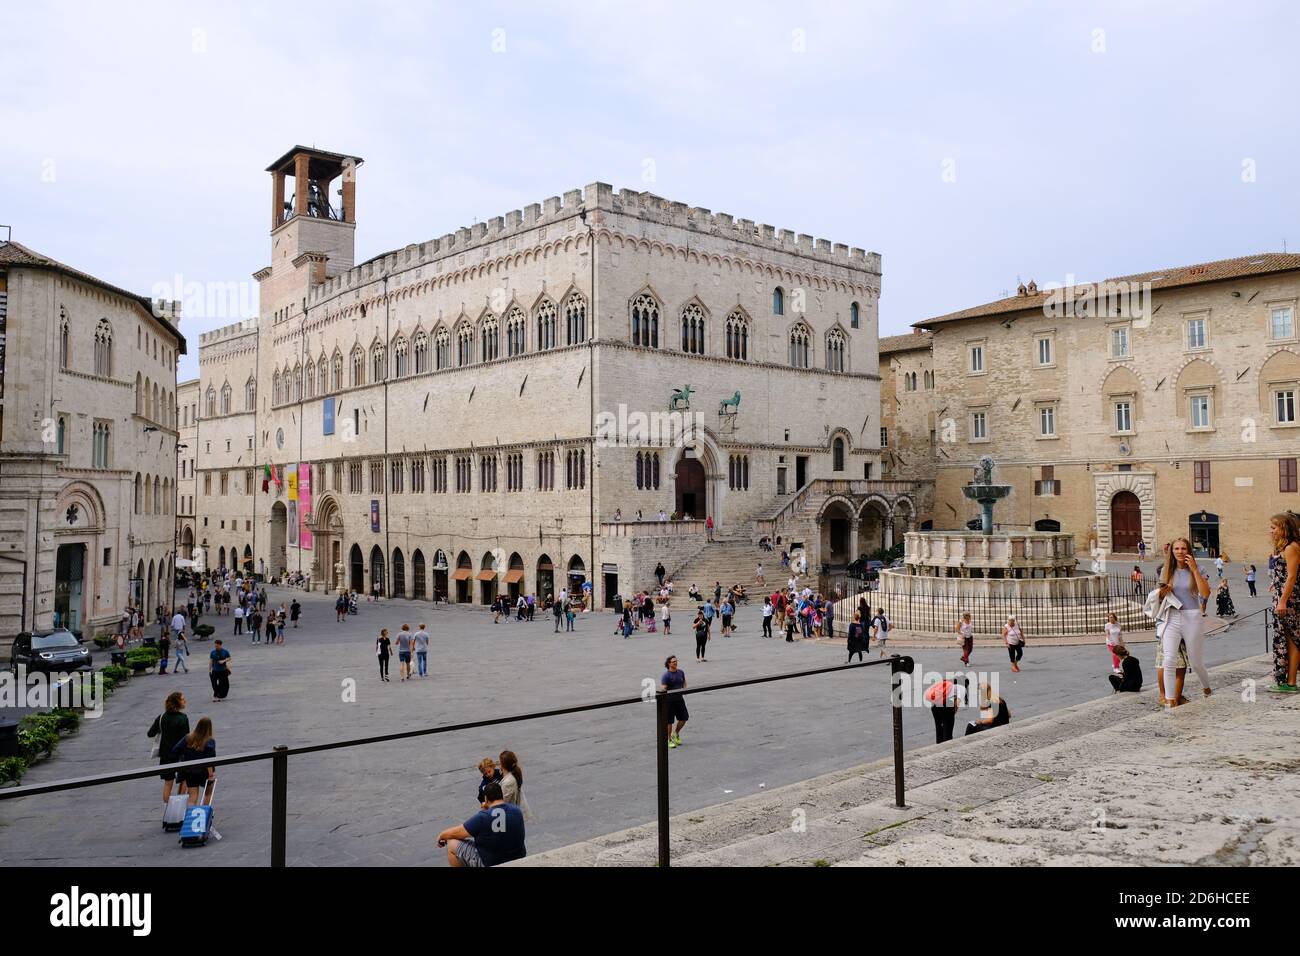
(1182, 578)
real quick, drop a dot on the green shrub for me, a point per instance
(43, 721)
(204, 630)
(36, 740)
(142, 655)
(104, 641)
(67, 720)
(115, 673)
(13, 768)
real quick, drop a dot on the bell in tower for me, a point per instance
(303, 220)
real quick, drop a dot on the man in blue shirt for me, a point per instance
(219, 671)
(674, 679)
(493, 835)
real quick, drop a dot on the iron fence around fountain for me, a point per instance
(1045, 615)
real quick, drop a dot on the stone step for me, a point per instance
(839, 817)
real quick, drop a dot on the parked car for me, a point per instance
(49, 652)
(867, 569)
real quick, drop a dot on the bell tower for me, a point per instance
(305, 217)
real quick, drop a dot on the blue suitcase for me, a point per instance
(197, 826)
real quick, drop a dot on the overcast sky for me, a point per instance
(970, 143)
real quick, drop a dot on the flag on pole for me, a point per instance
(277, 476)
(266, 478)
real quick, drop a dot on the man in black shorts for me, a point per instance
(675, 679)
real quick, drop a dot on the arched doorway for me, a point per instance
(1203, 530)
(515, 577)
(577, 577)
(417, 575)
(1047, 524)
(327, 529)
(248, 558)
(488, 575)
(279, 531)
(440, 569)
(834, 526)
(399, 574)
(221, 556)
(545, 578)
(1125, 522)
(874, 529)
(690, 488)
(356, 570)
(187, 544)
(377, 578)
(464, 572)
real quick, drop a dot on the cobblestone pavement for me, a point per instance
(586, 775)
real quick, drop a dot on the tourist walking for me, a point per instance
(994, 712)
(1176, 604)
(421, 641)
(1129, 677)
(557, 611)
(295, 611)
(1015, 641)
(1142, 549)
(254, 619)
(1284, 530)
(708, 527)
(758, 575)
(219, 671)
(198, 744)
(170, 727)
(675, 679)
(512, 783)
(666, 612)
(404, 653)
(569, 614)
(1250, 580)
(659, 573)
(383, 647)
(726, 612)
(855, 638)
(701, 635)
(880, 624)
(1223, 606)
(1113, 640)
(164, 650)
(239, 618)
(768, 611)
(341, 608)
(182, 653)
(1136, 578)
(966, 637)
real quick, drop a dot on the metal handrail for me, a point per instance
(279, 755)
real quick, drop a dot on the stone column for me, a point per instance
(277, 197)
(853, 540)
(301, 165)
(889, 531)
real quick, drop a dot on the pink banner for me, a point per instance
(304, 506)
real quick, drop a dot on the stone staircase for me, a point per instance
(729, 560)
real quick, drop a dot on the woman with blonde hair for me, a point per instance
(1284, 529)
(1015, 641)
(1182, 580)
(966, 637)
(993, 711)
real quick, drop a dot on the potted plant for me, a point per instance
(104, 641)
(140, 659)
(202, 632)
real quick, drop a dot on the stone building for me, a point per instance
(87, 446)
(1140, 408)
(907, 396)
(187, 400)
(470, 414)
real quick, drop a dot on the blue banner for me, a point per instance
(327, 416)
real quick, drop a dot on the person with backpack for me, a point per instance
(182, 651)
(880, 624)
(295, 610)
(171, 726)
(341, 609)
(198, 744)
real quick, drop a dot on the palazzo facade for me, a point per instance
(468, 414)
